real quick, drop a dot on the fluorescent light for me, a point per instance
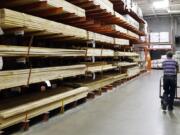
(163, 4)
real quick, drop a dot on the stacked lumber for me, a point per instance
(99, 66)
(104, 4)
(131, 21)
(121, 17)
(125, 64)
(30, 106)
(126, 54)
(133, 71)
(99, 52)
(8, 79)
(133, 34)
(12, 51)
(49, 4)
(11, 19)
(100, 83)
(100, 38)
(119, 29)
(119, 41)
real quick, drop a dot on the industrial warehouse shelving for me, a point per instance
(57, 52)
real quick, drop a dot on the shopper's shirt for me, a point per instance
(170, 67)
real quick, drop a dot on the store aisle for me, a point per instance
(131, 109)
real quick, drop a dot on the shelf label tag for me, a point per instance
(48, 83)
(94, 76)
(1, 63)
(1, 31)
(19, 32)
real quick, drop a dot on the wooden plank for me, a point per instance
(11, 51)
(100, 37)
(127, 54)
(12, 19)
(8, 79)
(17, 114)
(99, 67)
(99, 52)
(125, 64)
(99, 83)
(38, 5)
(119, 41)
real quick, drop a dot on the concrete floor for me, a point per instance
(131, 109)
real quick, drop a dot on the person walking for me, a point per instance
(170, 68)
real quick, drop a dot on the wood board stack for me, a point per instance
(131, 21)
(125, 64)
(8, 79)
(133, 34)
(99, 52)
(119, 41)
(99, 67)
(49, 4)
(12, 51)
(34, 105)
(104, 4)
(121, 17)
(133, 71)
(12, 19)
(100, 83)
(126, 54)
(119, 29)
(100, 38)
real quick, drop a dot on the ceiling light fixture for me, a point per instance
(163, 4)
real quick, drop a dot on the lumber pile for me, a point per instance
(126, 54)
(133, 71)
(99, 83)
(125, 64)
(33, 105)
(121, 17)
(12, 51)
(8, 79)
(119, 29)
(119, 41)
(131, 21)
(47, 4)
(104, 4)
(99, 66)
(133, 34)
(11, 19)
(99, 52)
(100, 38)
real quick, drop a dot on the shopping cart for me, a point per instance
(161, 90)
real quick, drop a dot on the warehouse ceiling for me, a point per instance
(159, 7)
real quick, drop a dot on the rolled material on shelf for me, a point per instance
(133, 71)
(10, 19)
(66, 6)
(126, 54)
(100, 38)
(14, 78)
(119, 41)
(35, 106)
(125, 64)
(11, 51)
(99, 52)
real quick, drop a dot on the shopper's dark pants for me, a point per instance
(169, 89)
